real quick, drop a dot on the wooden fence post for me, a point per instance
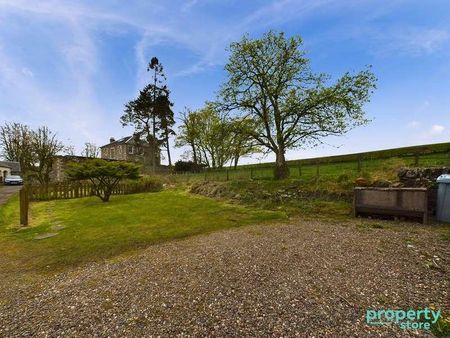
(359, 163)
(251, 173)
(24, 204)
(416, 159)
(299, 170)
(228, 176)
(318, 170)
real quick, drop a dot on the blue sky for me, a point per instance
(71, 65)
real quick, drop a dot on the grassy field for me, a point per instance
(371, 164)
(89, 230)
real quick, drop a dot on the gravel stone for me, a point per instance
(306, 279)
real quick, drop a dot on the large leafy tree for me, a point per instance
(241, 142)
(215, 138)
(104, 175)
(151, 112)
(207, 132)
(188, 134)
(270, 82)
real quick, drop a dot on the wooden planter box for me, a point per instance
(408, 202)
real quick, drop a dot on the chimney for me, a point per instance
(112, 139)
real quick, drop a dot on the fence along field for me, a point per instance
(333, 166)
(68, 190)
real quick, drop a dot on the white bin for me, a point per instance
(443, 198)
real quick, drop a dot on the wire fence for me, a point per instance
(325, 167)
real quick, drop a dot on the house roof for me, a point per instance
(123, 140)
(14, 166)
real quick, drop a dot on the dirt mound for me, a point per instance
(259, 192)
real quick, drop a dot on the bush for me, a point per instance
(343, 178)
(187, 166)
(104, 175)
(153, 183)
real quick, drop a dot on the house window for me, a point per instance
(139, 150)
(130, 149)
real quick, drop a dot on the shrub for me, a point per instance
(153, 183)
(343, 178)
(104, 175)
(187, 166)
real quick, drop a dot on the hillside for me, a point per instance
(380, 164)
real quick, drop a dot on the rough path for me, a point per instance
(7, 191)
(305, 279)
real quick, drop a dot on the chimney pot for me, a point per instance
(112, 139)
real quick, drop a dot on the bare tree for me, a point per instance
(69, 150)
(33, 149)
(90, 150)
(16, 144)
(45, 147)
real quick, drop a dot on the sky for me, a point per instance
(72, 65)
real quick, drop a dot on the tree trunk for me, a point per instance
(154, 146)
(236, 160)
(194, 153)
(168, 151)
(281, 170)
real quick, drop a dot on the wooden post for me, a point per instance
(24, 204)
(299, 170)
(355, 201)
(416, 159)
(425, 214)
(251, 172)
(228, 176)
(359, 163)
(318, 169)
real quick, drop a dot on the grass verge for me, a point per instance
(291, 196)
(89, 230)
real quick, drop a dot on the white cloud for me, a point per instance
(436, 129)
(27, 72)
(419, 40)
(413, 124)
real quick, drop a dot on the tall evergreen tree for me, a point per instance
(151, 112)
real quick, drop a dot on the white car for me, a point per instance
(10, 180)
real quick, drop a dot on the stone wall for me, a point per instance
(421, 177)
(59, 166)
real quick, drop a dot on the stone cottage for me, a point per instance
(8, 168)
(126, 149)
(130, 149)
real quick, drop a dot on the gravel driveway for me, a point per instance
(307, 279)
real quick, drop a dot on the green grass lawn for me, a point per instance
(94, 230)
